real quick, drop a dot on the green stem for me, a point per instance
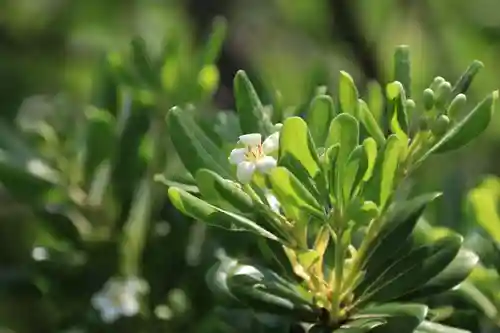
(362, 251)
(339, 271)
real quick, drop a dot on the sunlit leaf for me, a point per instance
(318, 118)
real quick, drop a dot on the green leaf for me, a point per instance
(413, 270)
(370, 147)
(348, 95)
(143, 65)
(250, 109)
(356, 167)
(467, 129)
(191, 188)
(473, 295)
(136, 227)
(222, 192)
(400, 317)
(482, 206)
(430, 327)
(402, 68)
(370, 123)
(294, 166)
(392, 238)
(293, 196)
(100, 140)
(397, 110)
(375, 100)
(215, 41)
(295, 139)
(318, 118)
(343, 131)
(361, 325)
(465, 80)
(28, 180)
(331, 156)
(195, 149)
(362, 212)
(390, 163)
(263, 290)
(456, 272)
(214, 216)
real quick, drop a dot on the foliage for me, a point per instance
(339, 197)
(340, 252)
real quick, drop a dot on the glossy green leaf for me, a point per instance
(292, 194)
(262, 290)
(331, 156)
(465, 80)
(193, 146)
(362, 213)
(400, 317)
(370, 147)
(430, 327)
(375, 100)
(456, 272)
(413, 270)
(250, 109)
(393, 236)
(319, 116)
(473, 294)
(356, 167)
(223, 193)
(370, 123)
(296, 140)
(298, 170)
(348, 95)
(214, 216)
(468, 128)
(362, 325)
(398, 116)
(391, 156)
(188, 187)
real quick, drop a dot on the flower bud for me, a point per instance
(456, 106)
(440, 125)
(443, 95)
(428, 99)
(436, 83)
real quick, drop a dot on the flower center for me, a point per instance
(254, 153)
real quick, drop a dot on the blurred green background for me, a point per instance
(52, 53)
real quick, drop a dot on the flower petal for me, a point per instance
(110, 315)
(237, 155)
(129, 305)
(271, 143)
(266, 163)
(253, 139)
(244, 172)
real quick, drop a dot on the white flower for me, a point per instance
(40, 253)
(254, 156)
(119, 297)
